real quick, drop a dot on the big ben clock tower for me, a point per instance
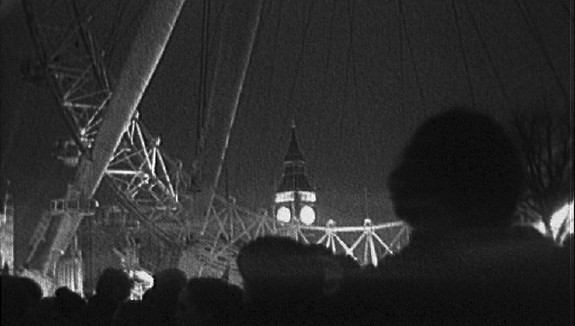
(295, 197)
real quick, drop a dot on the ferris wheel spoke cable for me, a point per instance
(266, 9)
(112, 40)
(300, 57)
(532, 27)
(351, 58)
(264, 13)
(87, 42)
(401, 56)
(328, 55)
(463, 53)
(33, 30)
(351, 52)
(201, 111)
(274, 53)
(410, 48)
(488, 54)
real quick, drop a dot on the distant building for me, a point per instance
(69, 270)
(7, 234)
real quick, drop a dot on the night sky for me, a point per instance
(358, 76)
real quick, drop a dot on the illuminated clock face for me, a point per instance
(307, 215)
(283, 214)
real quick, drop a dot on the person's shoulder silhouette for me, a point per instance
(457, 184)
(112, 289)
(209, 301)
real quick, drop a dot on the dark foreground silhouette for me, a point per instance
(456, 185)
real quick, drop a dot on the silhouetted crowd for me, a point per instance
(456, 184)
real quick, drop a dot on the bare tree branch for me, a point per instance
(545, 137)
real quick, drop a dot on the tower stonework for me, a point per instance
(295, 197)
(7, 234)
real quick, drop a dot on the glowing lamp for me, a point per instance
(307, 215)
(283, 214)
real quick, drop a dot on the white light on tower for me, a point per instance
(308, 196)
(286, 196)
(307, 215)
(283, 214)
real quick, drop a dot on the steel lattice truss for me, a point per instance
(74, 67)
(229, 226)
(148, 184)
(149, 179)
(69, 59)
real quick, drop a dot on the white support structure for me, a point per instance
(228, 226)
(7, 234)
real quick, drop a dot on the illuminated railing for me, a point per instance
(228, 226)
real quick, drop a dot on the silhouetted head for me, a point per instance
(280, 269)
(19, 296)
(171, 280)
(44, 313)
(115, 284)
(161, 300)
(336, 268)
(69, 299)
(209, 301)
(32, 290)
(459, 170)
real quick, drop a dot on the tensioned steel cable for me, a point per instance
(567, 8)
(328, 55)
(351, 57)
(201, 112)
(300, 57)
(265, 12)
(532, 27)
(410, 48)
(350, 50)
(350, 61)
(112, 40)
(401, 56)
(488, 54)
(274, 52)
(463, 54)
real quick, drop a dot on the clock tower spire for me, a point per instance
(295, 197)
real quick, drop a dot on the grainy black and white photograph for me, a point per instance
(286, 162)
